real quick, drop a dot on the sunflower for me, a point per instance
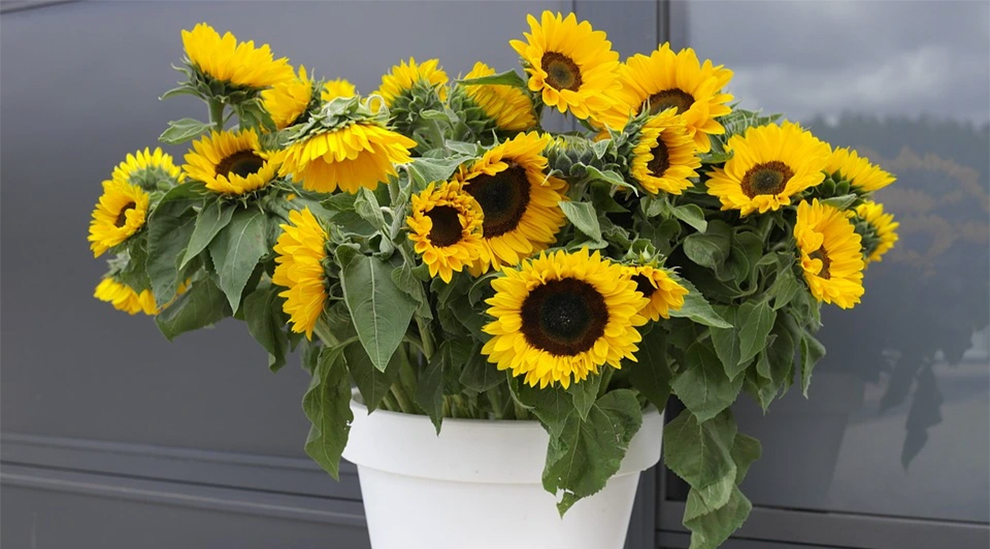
(288, 100)
(333, 89)
(662, 291)
(666, 79)
(561, 316)
(770, 164)
(147, 169)
(121, 212)
(301, 252)
(846, 164)
(403, 78)
(570, 64)
(882, 225)
(507, 106)
(226, 60)
(664, 157)
(518, 199)
(446, 227)
(124, 298)
(831, 254)
(230, 163)
(362, 154)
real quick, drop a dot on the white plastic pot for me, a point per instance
(478, 485)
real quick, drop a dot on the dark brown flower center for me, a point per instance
(242, 163)
(503, 198)
(674, 97)
(564, 317)
(821, 254)
(661, 159)
(562, 72)
(122, 216)
(446, 229)
(766, 178)
(643, 285)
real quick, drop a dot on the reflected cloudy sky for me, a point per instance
(827, 56)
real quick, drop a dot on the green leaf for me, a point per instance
(708, 250)
(327, 405)
(696, 308)
(431, 170)
(700, 453)
(380, 309)
(367, 207)
(785, 287)
(609, 176)
(708, 531)
(584, 393)
(180, 131)
(584, 217)
(371, 382)
(651, 375)
(776, 364)
(203, 305)
(236, 250)
(211, 220)
(811, 352)
(691, 214)
(726, 342)
(550, 404)
(507, 78)
(587, 453)
(745, 450)
(479, 375)
(701, 501)
(168, 237)
(266, 323)
(702, 384)
(841, 202)
(429, 390)
(755, 320)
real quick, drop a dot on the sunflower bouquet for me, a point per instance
(433, 244)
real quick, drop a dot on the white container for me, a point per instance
(478, 485)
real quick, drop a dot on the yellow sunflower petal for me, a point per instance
(301, 250)
(230, 61)
(831, 254)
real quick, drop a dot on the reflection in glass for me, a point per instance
(897, 422)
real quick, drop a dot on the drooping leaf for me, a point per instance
(755, 320)
(327, 405)
(236, 250)
(691, 214)
(550, 404)
(507, 78)
(479, 375)
(587, 453)
(429, 390)
(651, 374)
(697, 308)
(700, 452)
(726, 342)
(745, 450)
(429, 170)
(169, 231)
(180, 131)
(266, 323)
(710, 249)
(584, 394)
(584, 218)
(381, 311)
(373, 383)
(366, 206)
(811, 352)
(203, 305)
(708, 531)
(211, 220)
(702, 384)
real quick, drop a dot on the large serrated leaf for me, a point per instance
(180, 131)
(211, 220)
(381, 310)
(651, 374)
(202, 305)
(584, 217)
(697, 308)
(700, 452)
(373, 383)
(702, 384)
(755, 320)
(236, 250)
(266, 323)
(327, 405)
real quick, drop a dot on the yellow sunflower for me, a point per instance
(333, 89)
(361, 154)
(664, 157)
(831, 254)
(401, 79)
(147, 169)
(509, 107)
(858, 170)
(445, 226)
(663, 292)
(883, 225)
(287, 100)
(519, 201)
(124, 298)
(237, 63)
(301, 251)
(570, 64)
(121, 212)
(230, 163)
(561, 316)
(666, 79)
(770, 164)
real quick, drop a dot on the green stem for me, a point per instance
(402, 399)
(323, 332)
(216, 113)
(426, 337)
(495, 398)
(606, 378)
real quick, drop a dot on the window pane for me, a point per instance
(897, 422)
